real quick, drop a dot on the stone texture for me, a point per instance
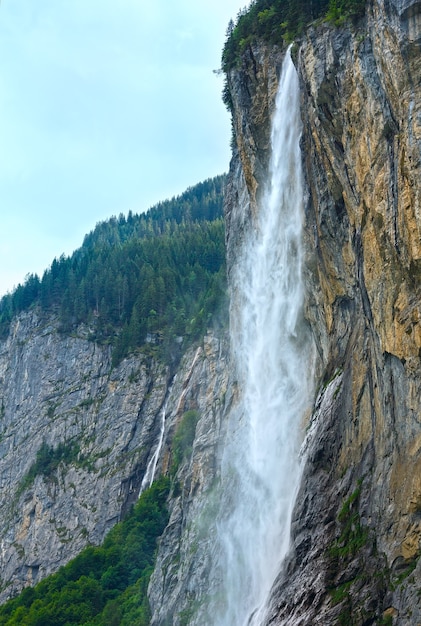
(180, 576)
(361, 143)
(58, 390)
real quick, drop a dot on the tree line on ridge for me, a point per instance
(152, 280)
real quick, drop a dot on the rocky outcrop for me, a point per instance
(180, 580)
(253, 87)
(361, 144)
(78, 435)
(357, 523)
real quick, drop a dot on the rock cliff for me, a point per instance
(98, 426)
(357, 522)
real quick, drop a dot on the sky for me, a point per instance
(105, 107)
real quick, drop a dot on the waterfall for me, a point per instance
(272, 353)
(149, 475)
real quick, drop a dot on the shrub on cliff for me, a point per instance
(105, 585)
(276, 21)
(183, 438)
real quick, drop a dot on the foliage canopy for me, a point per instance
(139, 280)
(276, 21)
(102, 586)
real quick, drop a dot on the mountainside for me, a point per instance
(87, 419)
(356, 528)
(79, 427)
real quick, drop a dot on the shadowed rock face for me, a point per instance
(62, 391)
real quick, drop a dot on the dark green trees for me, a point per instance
(138, 280)
(276, 21)
(103, 586)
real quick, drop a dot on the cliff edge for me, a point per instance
(357, 521)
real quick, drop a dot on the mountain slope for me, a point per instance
(79, 427)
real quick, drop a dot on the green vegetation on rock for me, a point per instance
(47, 461)
(354, 544)
(353, 536)
(155, 279)
(102, 586)
(278, 21)
(183, 438)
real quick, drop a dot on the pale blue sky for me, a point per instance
(104, 107)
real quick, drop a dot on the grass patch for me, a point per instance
(47, 461)
(340, 593)
(405, 573)
(183, 439)
(353, 536)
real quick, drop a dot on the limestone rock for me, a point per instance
(356, 532)
(59, 390)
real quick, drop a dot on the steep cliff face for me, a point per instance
(357, 523)
(180, 580)
(98, 428)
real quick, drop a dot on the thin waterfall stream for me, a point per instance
(149, 475)
(153, 461)
(272, 352)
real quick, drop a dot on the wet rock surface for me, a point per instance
(356, 547)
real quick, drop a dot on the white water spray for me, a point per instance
(149, 476)
(261, 468)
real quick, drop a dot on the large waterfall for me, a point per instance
(272, 353)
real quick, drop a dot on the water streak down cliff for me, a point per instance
(357, 521)
(272, 357)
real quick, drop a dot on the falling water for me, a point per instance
(261, 468)
(149, 475)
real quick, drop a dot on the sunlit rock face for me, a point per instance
(357, 521)
(361, 146)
